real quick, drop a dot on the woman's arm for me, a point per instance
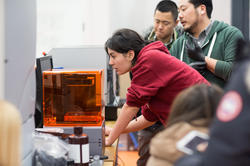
(125, 125)
(126, 115)
(138, 124)
(134, 125)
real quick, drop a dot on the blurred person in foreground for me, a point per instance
(192, 110)
(10, 135)
(229, 142)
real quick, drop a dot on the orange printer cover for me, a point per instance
(73, 98)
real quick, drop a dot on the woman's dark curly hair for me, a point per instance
(125, 40)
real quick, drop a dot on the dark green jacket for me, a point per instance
(223, 50)
(150, 36)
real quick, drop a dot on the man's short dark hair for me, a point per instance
(168, 6)
(207, 3)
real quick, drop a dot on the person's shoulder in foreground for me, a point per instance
(225, 148)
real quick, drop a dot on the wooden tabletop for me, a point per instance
(111, 151)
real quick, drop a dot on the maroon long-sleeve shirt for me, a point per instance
(157, 78)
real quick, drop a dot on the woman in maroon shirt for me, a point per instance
(157, 78)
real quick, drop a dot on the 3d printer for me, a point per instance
(75, 98)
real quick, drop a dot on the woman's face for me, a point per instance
(122, 63)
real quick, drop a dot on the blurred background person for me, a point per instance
(165, 27)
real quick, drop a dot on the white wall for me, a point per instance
(133, 14)
(1, 49)
(91, 22)
(69, 23)
(88, 22)
(222, 10)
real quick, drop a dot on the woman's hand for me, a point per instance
(107, 130)
(107, 142)
(126, 115)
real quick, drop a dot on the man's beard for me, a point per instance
(192, 27)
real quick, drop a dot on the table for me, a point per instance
(111, 151)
